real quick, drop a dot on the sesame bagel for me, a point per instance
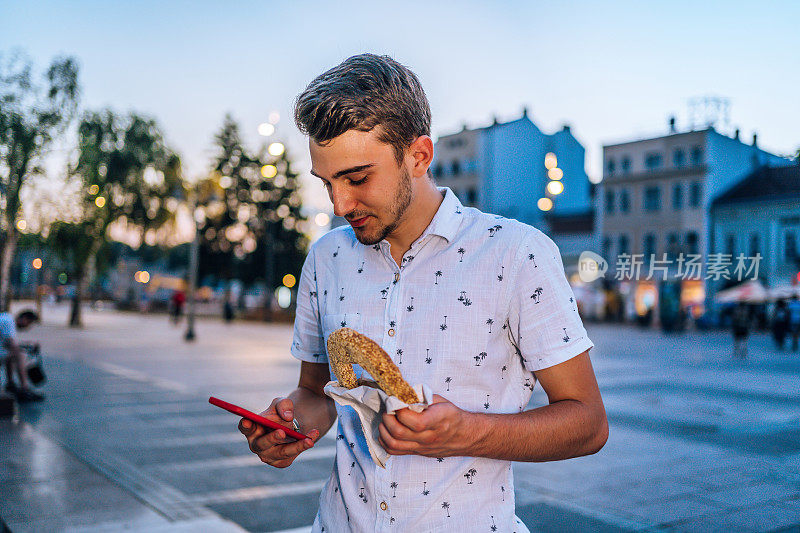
(347, 347)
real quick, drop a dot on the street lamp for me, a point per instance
(198, 215)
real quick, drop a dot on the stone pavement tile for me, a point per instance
(663, 512)
(544, 517)
(285, 512)
(760, 518)
(737, 495)
(221, 479)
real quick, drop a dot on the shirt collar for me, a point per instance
(448, 217)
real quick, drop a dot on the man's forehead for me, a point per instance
(349, 150)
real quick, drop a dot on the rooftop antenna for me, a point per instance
(710, 112)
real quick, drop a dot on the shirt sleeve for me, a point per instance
(544, 322)
(308, 343)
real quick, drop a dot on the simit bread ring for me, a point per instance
(347, 346)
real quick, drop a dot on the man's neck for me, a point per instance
(418, 217)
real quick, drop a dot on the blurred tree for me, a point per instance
(252, 225)
(32, 115)
(129, 179)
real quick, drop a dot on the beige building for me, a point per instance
(654, 199)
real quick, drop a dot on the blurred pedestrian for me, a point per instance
(176, 305)
(16, 359)
(740, 322)
(780, 323)
(227, 310)
(794, 320)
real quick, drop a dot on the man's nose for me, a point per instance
(343, 201)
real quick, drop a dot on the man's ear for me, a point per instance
(421, 152)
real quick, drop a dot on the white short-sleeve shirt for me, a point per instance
(478, 303)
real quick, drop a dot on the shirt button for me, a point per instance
(384, 506)
(391, 332)
(396, 277)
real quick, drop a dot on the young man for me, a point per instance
(15, 357)
(476, 306)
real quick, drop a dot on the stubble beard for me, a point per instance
(398, 208)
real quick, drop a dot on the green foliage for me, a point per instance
(32, 114)
(251, 229)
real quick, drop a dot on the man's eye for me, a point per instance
(358, 182)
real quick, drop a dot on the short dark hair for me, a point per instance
(28, 315)
(362, 92)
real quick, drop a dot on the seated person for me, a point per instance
(15, 356)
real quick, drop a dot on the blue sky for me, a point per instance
(612, 70)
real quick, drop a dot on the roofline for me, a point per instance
(720, 202)
(677, 134)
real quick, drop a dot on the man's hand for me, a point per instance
(441, 430)
(272, 446)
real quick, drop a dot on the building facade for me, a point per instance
(760, 215)
(507, 169)
(655, 198)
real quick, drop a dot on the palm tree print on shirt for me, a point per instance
(489, 323)
(399, 356)
(532, 257)
(494, 526)
(565, 338)
(393, 486)
(469, 475)
(494, 229)
(428, 356)
(446, 507)
(361, 268)
(500, 276)
(443, 326)
(480, 357)
(384, 292)
(437, 275)
(377, 247)
(503, 492)
(410, 307)
(464, 300)
(362, 495)
(502, 372)
(337, 251)
(425, 491)
(486, 405)
(447, 380)
(537, 294)
(341, 296)
(461, 252)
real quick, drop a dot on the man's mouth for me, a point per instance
(358, 222)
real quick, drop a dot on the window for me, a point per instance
(755, 245)
(606, 251)
(610, 166)
(624, 201)
(652, 161)
(652, 199)
(438, 171)
(472, 196)
(626, 165)
(678, 157)
(691, 242)
(610, 201)
(677, 197)
(697, 155)
(673, 248)
(649, 246)
(790, 246)
(694, 194)
(456, 168)
(623, 244)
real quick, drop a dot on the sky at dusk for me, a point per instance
(613, 70)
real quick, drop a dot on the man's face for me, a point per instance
(364, 182)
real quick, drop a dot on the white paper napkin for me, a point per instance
(370, 403)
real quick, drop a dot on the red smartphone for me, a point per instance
(258, 419)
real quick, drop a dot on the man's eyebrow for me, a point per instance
(347, 171)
